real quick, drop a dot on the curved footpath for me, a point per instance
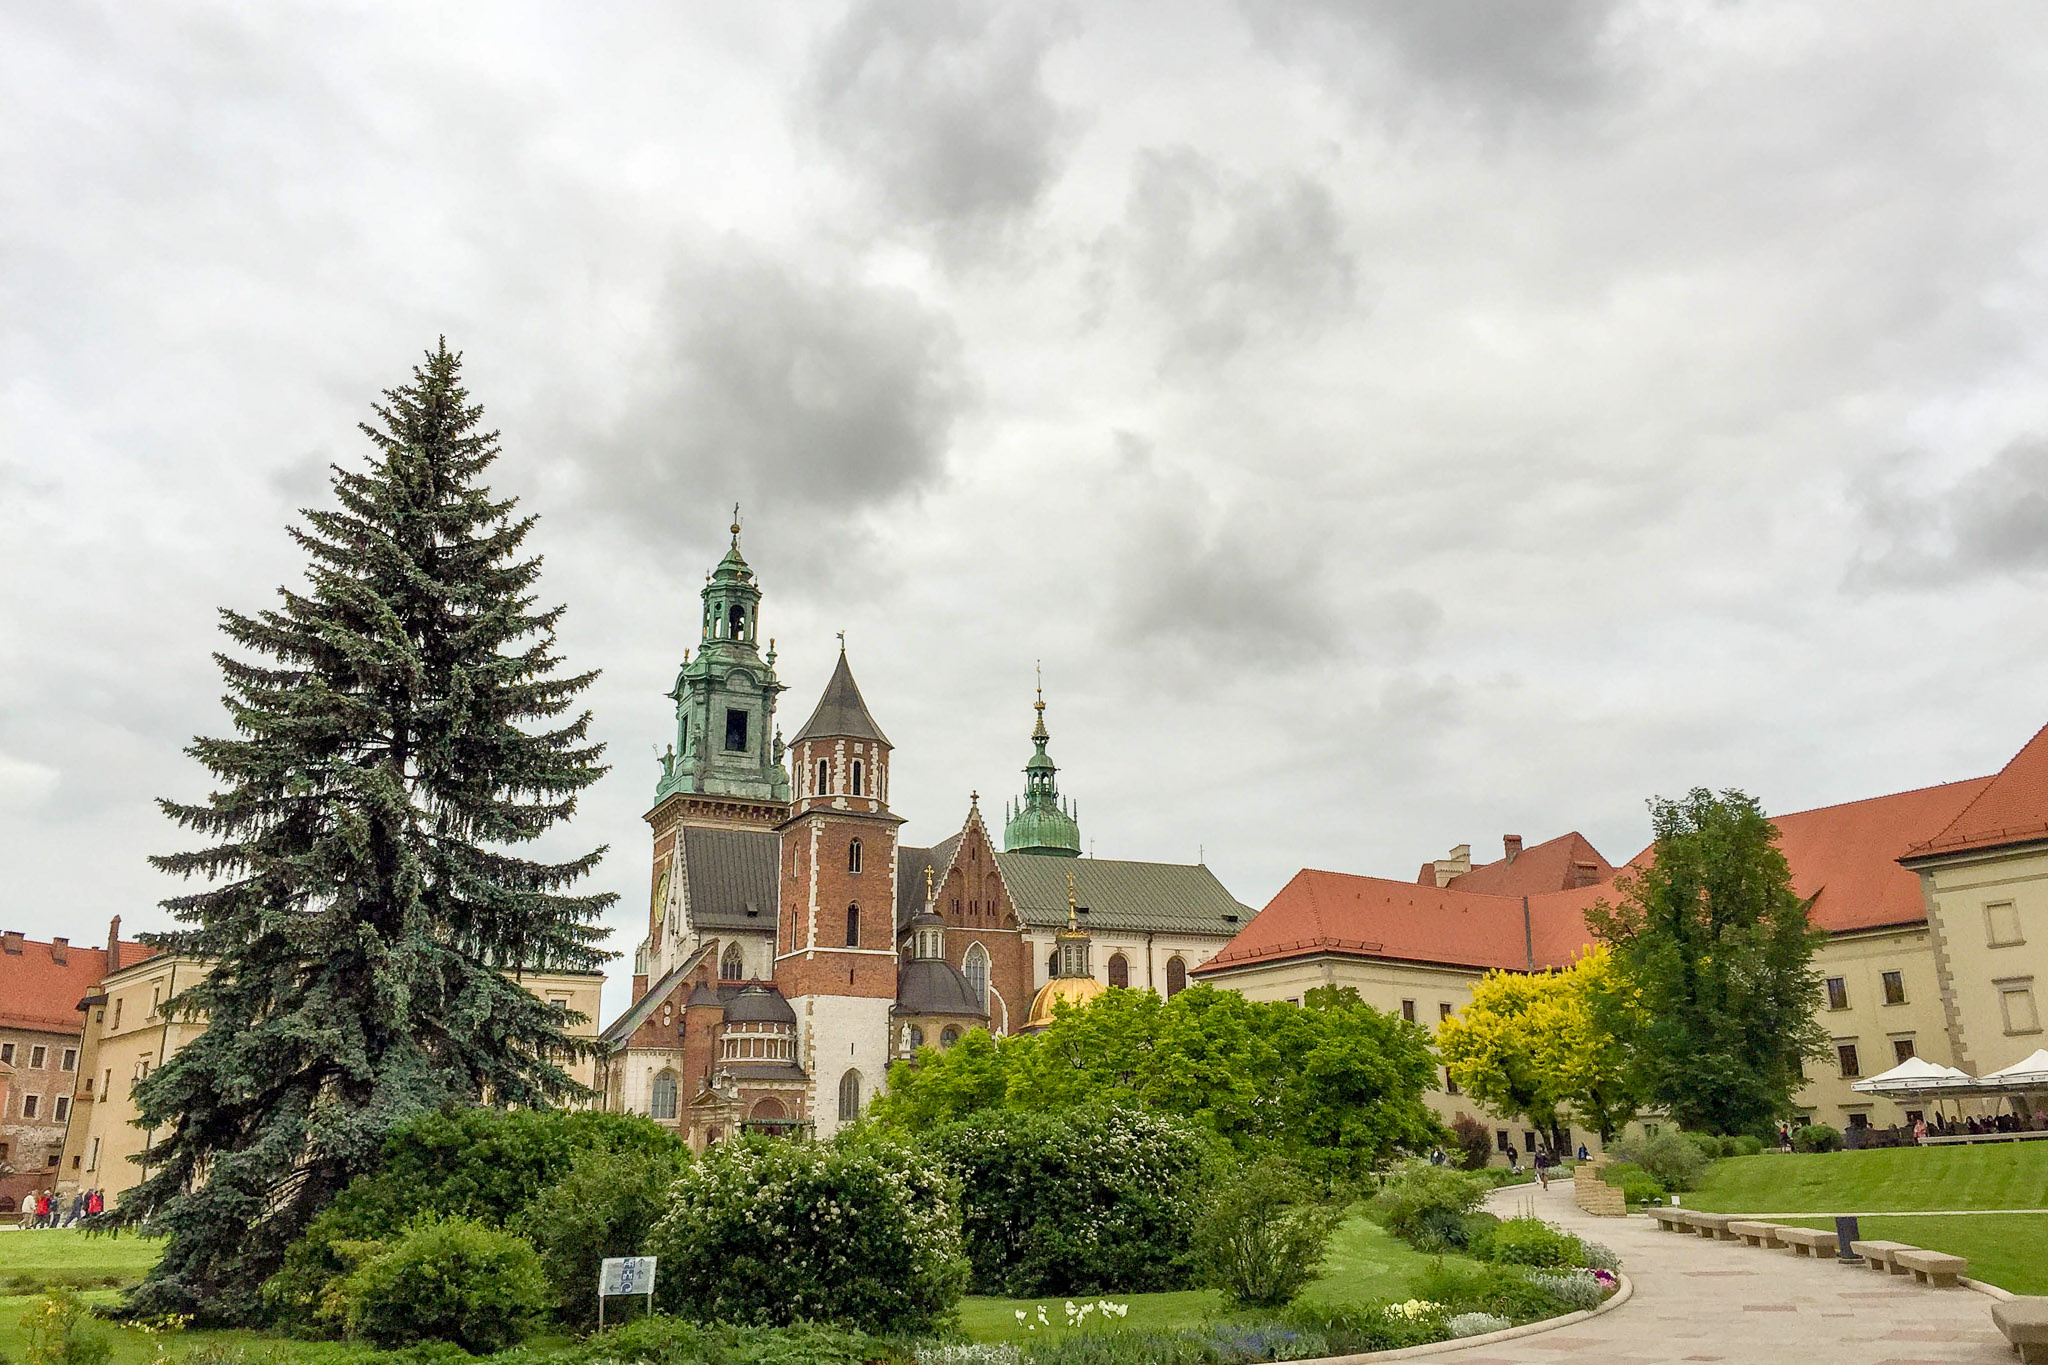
(1697, 1300)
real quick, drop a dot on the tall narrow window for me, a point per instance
(1408, 1010)
(733, 966)
(824, 782)
(2021, 1016)
(849, 1097)
(976, 971)
(663, 1103)
(736, 623)
(1838, 993)
(1894, 987)
(853, 854)
(853, 926)
(859, 784)
(1845, 1053)
(1902, 1050)
(1176, 976)
(1052, 963)
(1119, 970)
(736, 732)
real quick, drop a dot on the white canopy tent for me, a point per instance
(1916, 1076)
(2028, 1073)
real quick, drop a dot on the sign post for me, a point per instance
(621, 1277)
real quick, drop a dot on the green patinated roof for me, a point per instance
(1040, 821)
(1163, 897)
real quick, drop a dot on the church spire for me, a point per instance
(1042, 821)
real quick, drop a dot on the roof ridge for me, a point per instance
(1884, 796)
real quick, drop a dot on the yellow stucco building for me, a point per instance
(127, 1036)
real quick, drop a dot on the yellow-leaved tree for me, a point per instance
(1543, 1045)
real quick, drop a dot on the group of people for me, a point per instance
(1944, 1126)
(46, 1210)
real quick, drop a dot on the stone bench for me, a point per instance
(1714, 1225)
(1810, 1242)
(1936, 1268)
(1757, 1234)
(2025, 1324)
(1671, 1220)
(1878, 1255)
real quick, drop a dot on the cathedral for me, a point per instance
(796, 947)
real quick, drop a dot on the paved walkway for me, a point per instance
(1697, 1300)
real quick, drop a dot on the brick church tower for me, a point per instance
(835, 949)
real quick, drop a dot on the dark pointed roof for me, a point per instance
(924, 986)
(841, 713)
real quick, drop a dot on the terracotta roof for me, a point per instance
(1844, 856)
(1847, 855)
(1553, 865)
(1336, 912)
(2012, 808)
(38, 992)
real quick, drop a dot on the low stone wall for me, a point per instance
(1595, 1195)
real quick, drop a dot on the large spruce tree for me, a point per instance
(400, 730)
(1714, 958)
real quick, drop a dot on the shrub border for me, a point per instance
(1620, 1296)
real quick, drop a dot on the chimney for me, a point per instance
(114, 945)
(1457, 865)
(60, 951)
(1513, 844)
(10, 941)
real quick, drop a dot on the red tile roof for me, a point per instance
(2012, 808)
(1845, 856)
(1552, 865)
(38, 992)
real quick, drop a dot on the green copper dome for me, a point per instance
(1043, 821)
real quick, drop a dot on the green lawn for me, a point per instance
(2008, 1250)
(35, 1260)
(1365, 1264)
(2006, 1175)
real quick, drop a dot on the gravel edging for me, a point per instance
(1528, 1329)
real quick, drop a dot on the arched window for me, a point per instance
(733, 966)
(824, 783)
(976, 970)
(663, 1104)
(949, 1037)
(859, 772)
(853, 856)
(1119, 970)
(853, 926)
(769, 1108)
(849, 1097)
(736, 622)
(916, 1037)
(1176, 976)
(1052, 963)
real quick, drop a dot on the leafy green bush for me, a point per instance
(1087, 1201)
(1357, 1328)
(1529, 1241)
(1672, 1158)
(1640, 1187)
(1475, 1143)
(451, 1279)
(475, 1163)
(1262, 1236)
(59, 1330)
(1598, 1255)
(1475, 1324)
(1816, 1137)
(606, 1205)
(1421, 1199)
(858, 1232)
(1711, 1147)
(1461, 1287)
(1747, 1144)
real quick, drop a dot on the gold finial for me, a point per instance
(1040, 667)
(928, 875)
(842, 642)
(1073, 919)
(735, 525)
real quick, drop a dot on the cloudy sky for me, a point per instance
(1393, 425)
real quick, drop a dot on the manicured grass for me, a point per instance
(2008, 1250)
(2006, 1175)
(1365, 1264)
(33, 1260)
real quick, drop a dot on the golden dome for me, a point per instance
(1075, 990)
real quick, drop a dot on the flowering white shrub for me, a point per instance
(862, 1233)
(1413, 1308)
(981, 1353)
(1575, 1289)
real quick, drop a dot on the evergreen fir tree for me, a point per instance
(403, 735)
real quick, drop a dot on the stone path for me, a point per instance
(1698, 1301)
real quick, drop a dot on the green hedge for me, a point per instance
(452, 1280)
